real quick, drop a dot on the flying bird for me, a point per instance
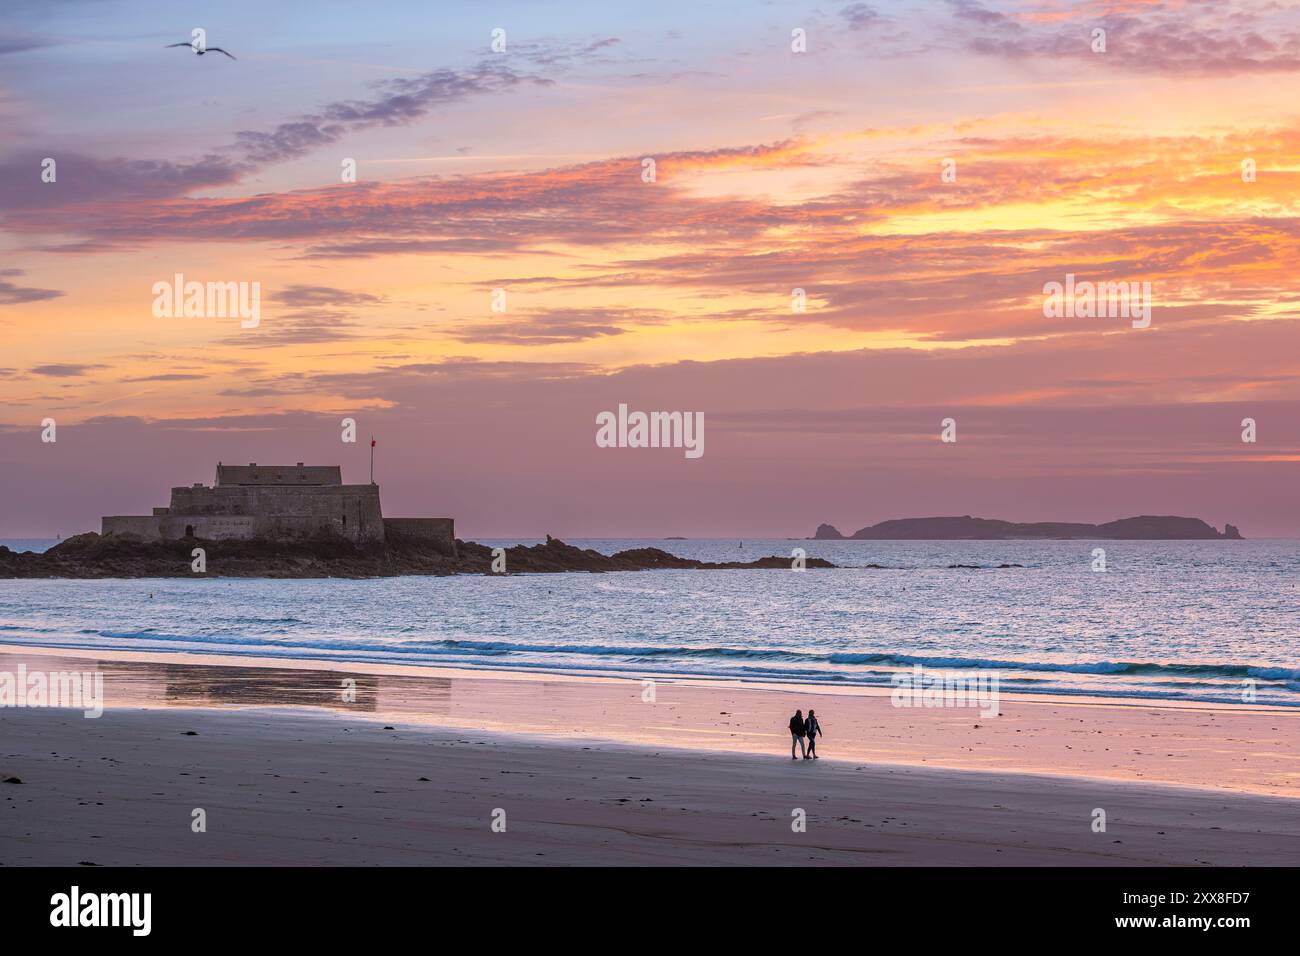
(199, 50)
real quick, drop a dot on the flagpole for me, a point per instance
(372, 459)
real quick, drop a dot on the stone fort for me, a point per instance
(281, 502)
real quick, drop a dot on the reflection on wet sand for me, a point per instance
(150, 684)
(258, 687)
(1223, 746)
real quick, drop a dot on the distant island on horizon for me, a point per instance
(1140, 528)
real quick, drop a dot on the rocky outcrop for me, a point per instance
(125, 556)
(1143, 527)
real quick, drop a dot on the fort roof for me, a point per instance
(299, 474)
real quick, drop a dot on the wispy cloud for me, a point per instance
(65, 370)
(13, 294)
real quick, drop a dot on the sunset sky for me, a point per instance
(522, 170)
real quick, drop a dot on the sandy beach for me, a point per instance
(413, 769)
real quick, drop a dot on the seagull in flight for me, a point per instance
(199, 50)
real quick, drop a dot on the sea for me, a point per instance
(1176, 620)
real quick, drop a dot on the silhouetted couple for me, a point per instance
(801, 729)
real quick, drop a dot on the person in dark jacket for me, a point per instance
(813, 730)
(797, 731)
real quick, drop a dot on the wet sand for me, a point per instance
(589, 771)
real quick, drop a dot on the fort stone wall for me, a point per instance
(351, 511)
(281, 502)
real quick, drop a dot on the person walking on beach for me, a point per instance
(797, 731)
(813, 730)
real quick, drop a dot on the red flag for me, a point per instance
(372, 443)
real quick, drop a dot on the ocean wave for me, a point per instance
(650, 653)
(1134, 668)
(775, 667)
(889, 659)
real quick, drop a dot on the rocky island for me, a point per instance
(329, 556)
(1141, 528)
